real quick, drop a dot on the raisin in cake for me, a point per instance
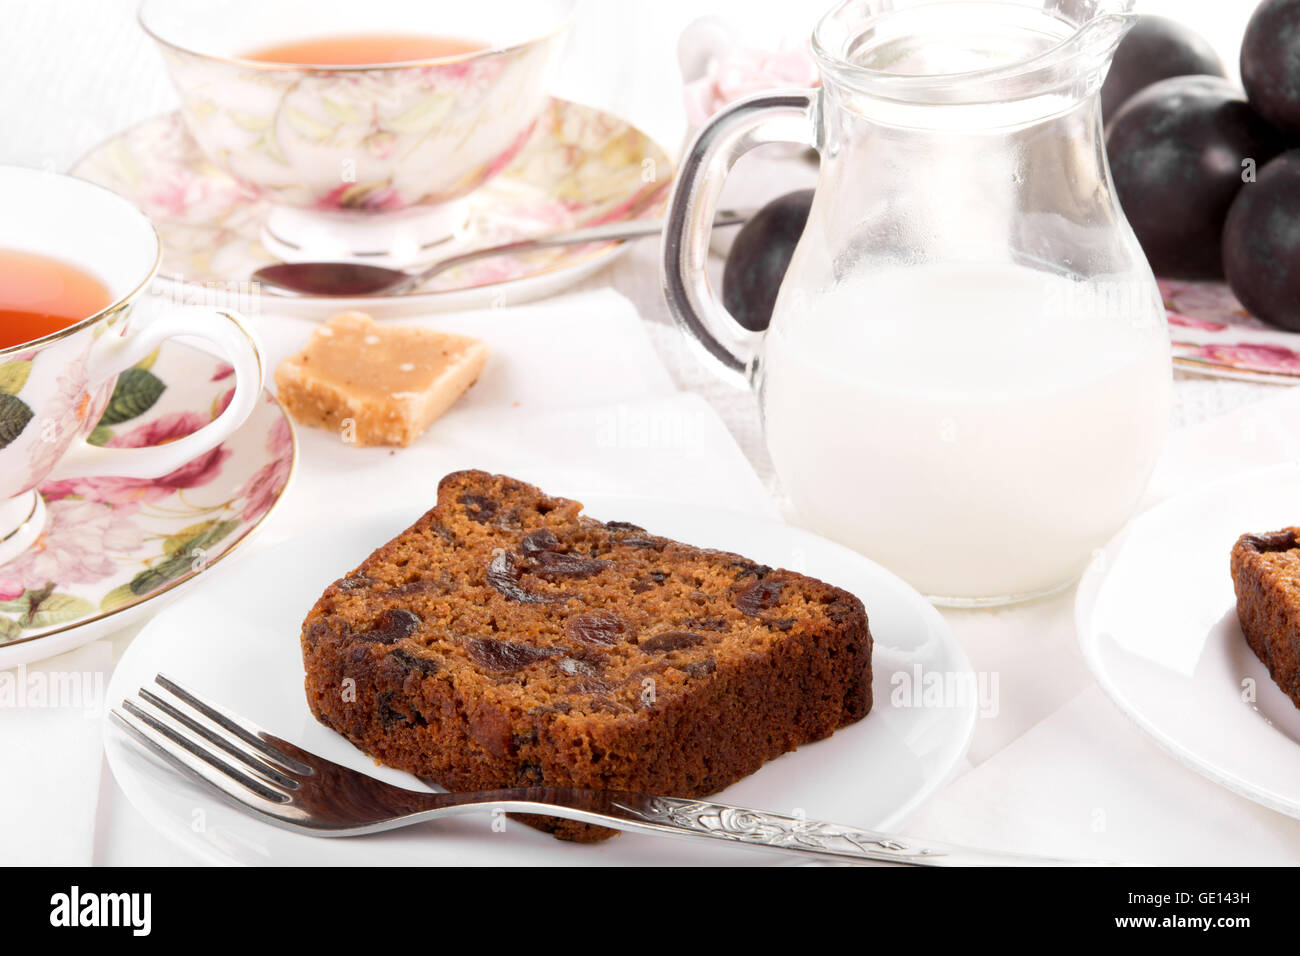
(507, 640)
(1266, 577)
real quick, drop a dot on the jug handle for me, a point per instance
(779, 117)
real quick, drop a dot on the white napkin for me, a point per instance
(1085, 781)
(672, 448)
(1264, 433)
(1086, 784)
(50, 750)
(589, 348)
(573, 398)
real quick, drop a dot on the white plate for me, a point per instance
(237, 642)
(1157, 623)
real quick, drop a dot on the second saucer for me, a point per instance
(581, 166)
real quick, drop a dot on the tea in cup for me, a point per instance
(75, 259)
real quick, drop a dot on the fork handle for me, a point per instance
(674, 816)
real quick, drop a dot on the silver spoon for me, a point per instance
(357, 279)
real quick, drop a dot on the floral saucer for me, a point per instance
(581, 166)
(113, 546)
(1213, 334)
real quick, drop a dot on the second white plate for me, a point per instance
(1157, 623)
(236, 641)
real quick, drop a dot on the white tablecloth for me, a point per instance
(1054, 760)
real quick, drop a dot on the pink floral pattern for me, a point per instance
(128, 494)
(1213, 333)
(263, 490)
(77, 547)
(1210, 301)
(423, 134)
(381, 197)
(578, 166)
(111, 542)
(1203, 325)
(1255, 358)
(60, 423)
(743, 71)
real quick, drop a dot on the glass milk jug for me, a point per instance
(966, 377)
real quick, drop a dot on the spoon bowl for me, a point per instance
(330, 278)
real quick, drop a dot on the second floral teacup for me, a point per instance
(360, 159)
(54, 387)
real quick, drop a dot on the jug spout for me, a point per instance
(970, 52)
(1098, 37)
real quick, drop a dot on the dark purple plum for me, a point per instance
(1270, 63)
(1178, 153)
(1261, 243)
(1154, 50)
(759, 256)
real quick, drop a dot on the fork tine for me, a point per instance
(193, 760)
(241, 727)
(234, 748)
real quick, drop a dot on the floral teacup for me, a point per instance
(359, 160)
(53, 390)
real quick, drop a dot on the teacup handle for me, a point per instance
(784, 117)
(112, 355)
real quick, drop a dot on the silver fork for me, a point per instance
(297, 790)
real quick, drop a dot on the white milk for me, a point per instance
(977, 430)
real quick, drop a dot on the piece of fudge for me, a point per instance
(377, 384)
